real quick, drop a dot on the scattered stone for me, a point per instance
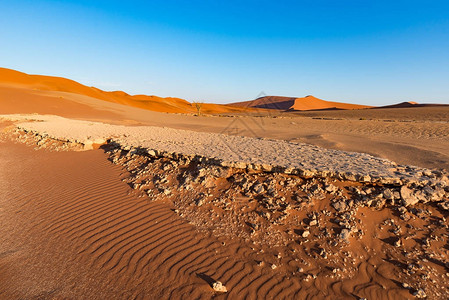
(345, 234)
(219, 287)
(388, 194)
(265, 196)
(331, 188)
(340, 206)
(200, 201)
(420, 294)
(258, 188)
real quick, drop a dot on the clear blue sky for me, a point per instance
(368, 52)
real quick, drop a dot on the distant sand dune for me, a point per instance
(411, 104)
(291, 103)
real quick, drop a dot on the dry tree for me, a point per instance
(198, 106)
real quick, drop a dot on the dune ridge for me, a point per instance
(19, 85)
(297, 104)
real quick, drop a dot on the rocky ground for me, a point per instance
(305, 223)
(234, 151)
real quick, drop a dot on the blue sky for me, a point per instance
(367, 52)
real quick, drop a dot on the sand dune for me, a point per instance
(300, 104)
(24, 93)
(411, 104)
(18, 86)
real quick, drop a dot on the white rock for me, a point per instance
(219, 287)
(407, 196)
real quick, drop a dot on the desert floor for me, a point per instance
(80, 224)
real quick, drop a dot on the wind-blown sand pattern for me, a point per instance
(195, 216)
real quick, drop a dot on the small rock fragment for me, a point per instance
(340, 206)
(219, 287)
(345, 233)
(420, 294)
(408, 197)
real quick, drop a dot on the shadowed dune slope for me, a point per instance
(291, 103)
(24, 85)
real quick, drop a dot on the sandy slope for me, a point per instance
(18, 85)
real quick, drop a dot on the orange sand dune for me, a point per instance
(24, 84)
(292, 103)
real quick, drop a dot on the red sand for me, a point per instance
(72, 229)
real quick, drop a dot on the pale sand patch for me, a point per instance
(231, 150)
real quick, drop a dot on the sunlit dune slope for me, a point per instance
(23, 88)
(292, 103)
